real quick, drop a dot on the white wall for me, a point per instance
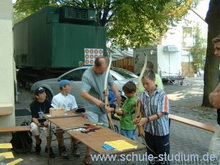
(6, 64)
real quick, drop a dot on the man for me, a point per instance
(214, 98)
(39, 107)
(67, 101)
(92, 91)
(93, 88)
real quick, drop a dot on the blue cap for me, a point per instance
(64, 82)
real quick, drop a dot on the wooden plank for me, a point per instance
(94, 139)
(193, 123)
(14, 129)
(71, 122)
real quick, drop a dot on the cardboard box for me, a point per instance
(56, 112)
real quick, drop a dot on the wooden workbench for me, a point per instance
(96, 139)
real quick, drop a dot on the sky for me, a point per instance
(202, 8)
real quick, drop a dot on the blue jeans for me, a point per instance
(97, 118)
(129, 134)
(157, 145)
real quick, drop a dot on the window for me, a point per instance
(75, 75)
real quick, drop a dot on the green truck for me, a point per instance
(53, 40)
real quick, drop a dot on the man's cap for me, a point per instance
(64, 82)
(39, 90)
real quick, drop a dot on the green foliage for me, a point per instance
(130, 23)
(198, 50)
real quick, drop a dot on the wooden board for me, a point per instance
(193, 123)
(14, 129)
(94, 139)
(70, 122)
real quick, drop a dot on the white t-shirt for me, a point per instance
(68, 102)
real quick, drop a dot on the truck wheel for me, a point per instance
(49, 95)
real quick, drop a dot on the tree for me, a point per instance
(198, 49)
(211, 64)
(130, 23)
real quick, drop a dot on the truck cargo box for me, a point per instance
(56, 38)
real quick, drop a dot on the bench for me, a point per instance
(193, 123)
(14, 129)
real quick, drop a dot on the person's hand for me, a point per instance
(73, 110)
(108, 109)
(140, 121)
(118, 99)
(46, 123)
(83, 115)
(136, 121)
(99, 103)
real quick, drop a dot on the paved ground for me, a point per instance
(184, 101)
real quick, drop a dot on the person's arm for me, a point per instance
(163, 109)
(74, 105)
(88, 97)
(144, 120)
(116, 92)
(214, 97)
(86, 87)
(119, 112)
(34, 114)
(54, 102)
(35, 120)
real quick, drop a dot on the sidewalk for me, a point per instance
(184, 101)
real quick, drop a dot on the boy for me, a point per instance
(39, 107)
(127, 112)
(67, 101)
(155, 107)
(158, 80)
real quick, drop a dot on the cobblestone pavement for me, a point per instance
(184, 101)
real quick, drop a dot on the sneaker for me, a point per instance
(64, 152)
(52, 155)
(37, 147)
(76, 152)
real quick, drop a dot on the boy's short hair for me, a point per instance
(129, 87)
(149, 74)
(150, 65)
(216, 39)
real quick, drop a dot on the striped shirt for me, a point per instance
(151, 105)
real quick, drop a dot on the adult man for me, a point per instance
(93, 88)
(92, 91)
(67, 101)
(38, 107)
(214, 98)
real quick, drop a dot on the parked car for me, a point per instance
(51, 86)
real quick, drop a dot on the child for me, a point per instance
(67, 101)
(155, 107)
(127, 112)
(39, 107)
